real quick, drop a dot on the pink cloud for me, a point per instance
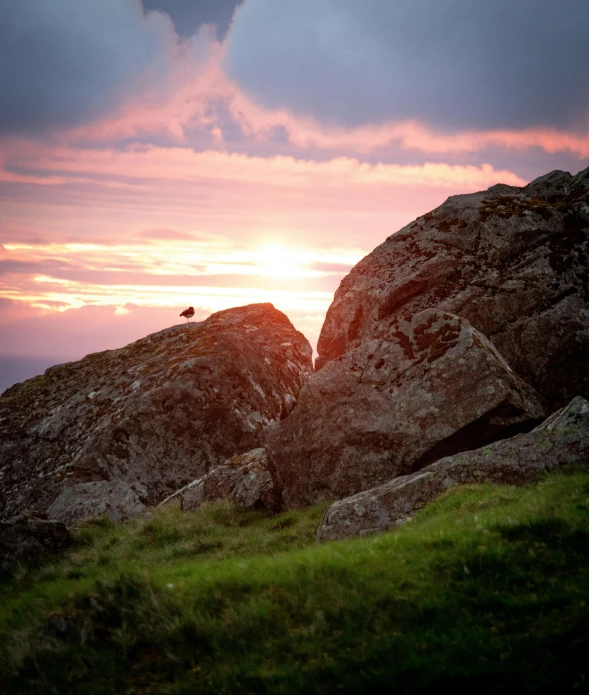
(409, 135)
(195, 81)
(109, 196)
(142, 165)
(165, 234)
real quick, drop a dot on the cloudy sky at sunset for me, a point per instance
(215, 153)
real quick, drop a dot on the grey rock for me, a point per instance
(155, 414)
(422, 389)
(514, 262)
(114, 499)
(244, 479)
(561, 440)
(24, 539)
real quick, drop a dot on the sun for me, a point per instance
(280, 263)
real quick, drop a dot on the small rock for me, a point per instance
(244, 479)
(23, 539)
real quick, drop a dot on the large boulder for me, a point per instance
(243, 479)
(424, 388)
(24, 539)
(111, 498)
(561, 440)
(155, 414)
(514, 262)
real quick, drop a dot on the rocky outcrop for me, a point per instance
(421, 389)
(561, 440)
(24, 539)
(514, 262)
(243, 479)
(155, 414)
(112, 498)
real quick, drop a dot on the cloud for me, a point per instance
(66, 62)
(307, 133)
(144, 165)
(189, 15)
(9, 267)
(94, 194)
(506, 64)
(165, 234)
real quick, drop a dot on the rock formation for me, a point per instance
(460, 330)
(514, 262)
(244, 479)
(420, 389)
(561, 440)
(155, 414)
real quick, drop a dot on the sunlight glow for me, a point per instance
(280, 263)
(209, 275)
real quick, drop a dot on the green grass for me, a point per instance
(486, 590)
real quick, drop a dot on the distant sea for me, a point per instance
(14, 368)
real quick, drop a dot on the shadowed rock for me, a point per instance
(114, 499)
(24, 539)
(561, 440)
(514, 262)
(424, 388)
(243, 479)
(155, 414)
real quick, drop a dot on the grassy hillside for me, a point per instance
(487, 590)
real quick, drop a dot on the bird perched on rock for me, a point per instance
(188, 313)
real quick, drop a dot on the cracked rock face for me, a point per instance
(155, 414)
(419, 390)
(514, 262)
(561, 440)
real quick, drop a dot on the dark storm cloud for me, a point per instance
(452, 63)
(189, 15)
(65, 62)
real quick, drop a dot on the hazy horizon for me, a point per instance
(17, 368)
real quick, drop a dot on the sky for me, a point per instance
(215, 153)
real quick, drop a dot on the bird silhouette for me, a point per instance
(188, 313)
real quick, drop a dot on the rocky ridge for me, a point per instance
(155, 414)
